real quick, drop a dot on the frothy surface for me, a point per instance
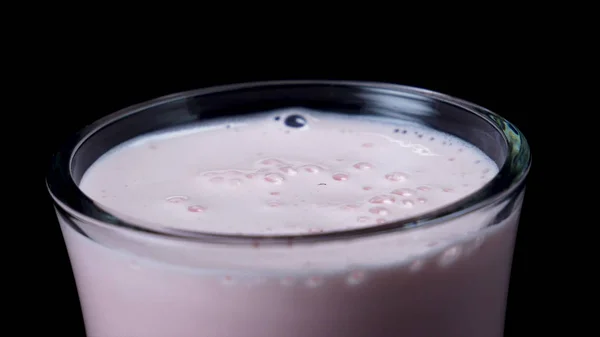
(286, 172)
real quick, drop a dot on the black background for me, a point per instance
(89, 91)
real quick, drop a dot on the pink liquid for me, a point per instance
(260, 176)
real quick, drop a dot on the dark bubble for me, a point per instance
(277, 118)
(295, 121)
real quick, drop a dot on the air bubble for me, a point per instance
(416, 266)
(381, 221)
(449, 256)
(478, 243)
(424, 188)
(314, 282)
(368, 145)
(295, 121)
(421, 200)
(362, 219)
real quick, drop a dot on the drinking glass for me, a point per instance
(138, 280)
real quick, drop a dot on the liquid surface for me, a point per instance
(293, 172)
(286, 172)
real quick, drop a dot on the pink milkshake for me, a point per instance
(281, 224)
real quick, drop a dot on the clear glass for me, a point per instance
(138, 281)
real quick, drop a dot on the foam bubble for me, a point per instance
(176, 199)
(274, 178)
(274, 203)
(362, 166)
(314, 282)
(271, 162)
(196, 209)
(235, 182)
(404, 192)
(396, 176)
(379, 210)
(340, 177)
(408, 203)
(382, 199)
(355, 277)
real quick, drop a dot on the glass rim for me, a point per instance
(510, 178)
